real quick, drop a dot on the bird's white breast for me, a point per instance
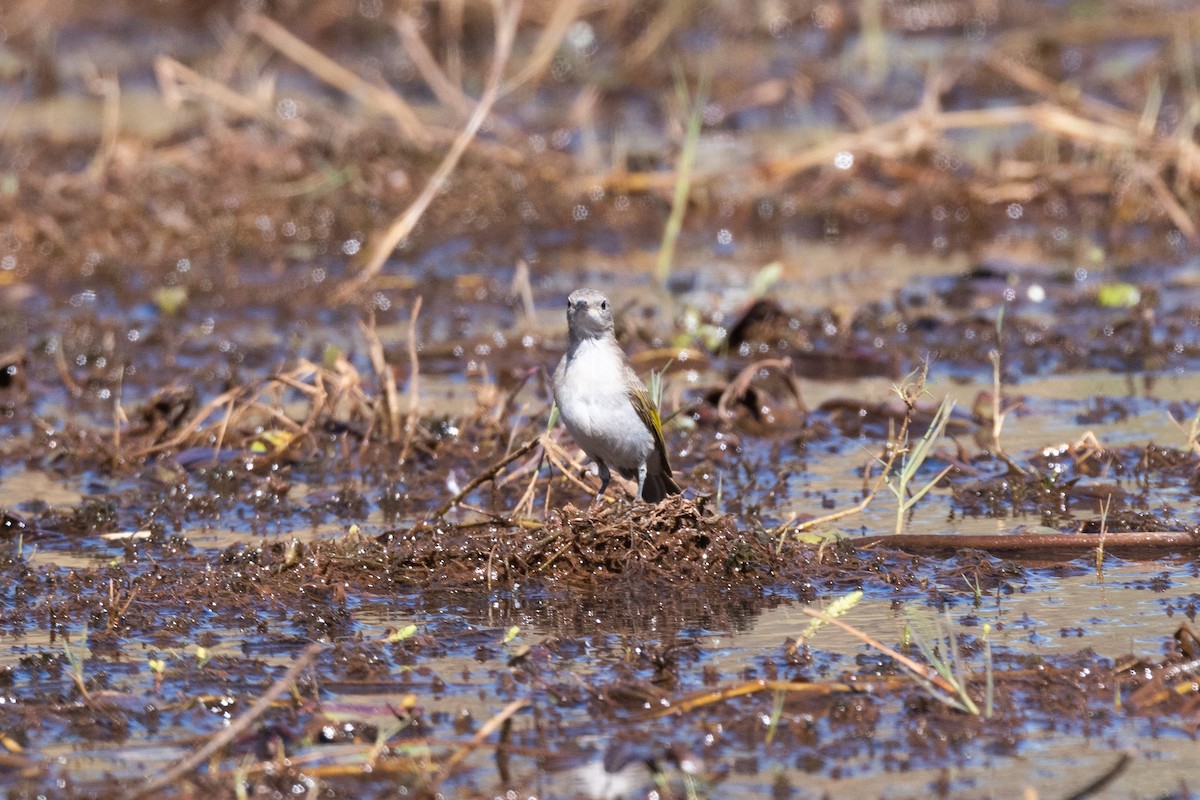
(593, 400)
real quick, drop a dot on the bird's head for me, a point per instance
(589, 314)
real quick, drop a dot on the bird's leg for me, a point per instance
(641, 479)
(605, 477)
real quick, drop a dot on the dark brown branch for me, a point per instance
(1018, 543)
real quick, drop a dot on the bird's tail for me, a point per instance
(658, 486)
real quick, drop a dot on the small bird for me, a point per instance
(605, 405)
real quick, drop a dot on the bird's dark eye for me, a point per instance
(604, 305)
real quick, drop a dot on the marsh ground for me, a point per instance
(282, 514)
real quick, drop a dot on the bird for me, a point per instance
(604, 404)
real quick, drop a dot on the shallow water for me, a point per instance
(193, 255)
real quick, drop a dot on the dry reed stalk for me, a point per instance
(222, 429)
(711, 697)
(451, 14)
(916, 668)
(569, 466)
(249, 403)
(173, 76)
(736, 389)
(235, 728)
(119, 418)
(109, 88)
(1170, 203)
(518, 473)
(522, 288)
(524, 506)
(506, 28)
(435, 78)
(387, 382)
(490, 727)
(197, 422)
(916, 130)
(664, 23)
(483, 477)
(1062, 94)
(273, 413)
(380, 98)
(551, 38)
(414, 382)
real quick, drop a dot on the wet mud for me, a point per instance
(279, 519)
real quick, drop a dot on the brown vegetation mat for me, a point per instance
(677, 541)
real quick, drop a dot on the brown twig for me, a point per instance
(650, 42)
(490, 727)
(171, 75)
(235, 729)
(506, 26)
(379, 98)
(1034, 543)
(862, 504)
(926, 673)
(555, 452)
(435, 77)
(414, 382)
(387, 382)
(547, 45)
(481, 478)
(707, 698)
(524, 506)
(1064, 94)
(108, 86)
(188, 430)
(1099, 783)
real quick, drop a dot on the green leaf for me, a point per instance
(402, 634)
(1119, 295)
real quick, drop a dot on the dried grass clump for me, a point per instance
(675, 541)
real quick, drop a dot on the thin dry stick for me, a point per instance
(109, 88)
(171, 75)
(506, 27)
(1066, 94)
(387, 384)
(927, 673)
(414, 382)
(119, 417)
(378, 97)
(916, 128)
(546, 501)
(555, 452)
(443, 88)
(1175, 210)
(662, 26)
(524, 506)
(482, 478)
(737, 388)
(222, 430)
(235, 729)
(490, 727)
(190, 429)
(1094, 787)
(862, 504)
(547, 45)
(701, 699)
